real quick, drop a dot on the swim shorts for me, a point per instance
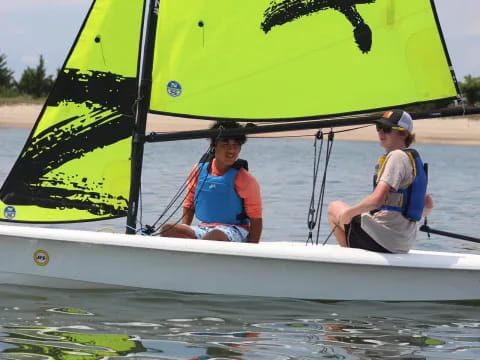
(358, 238)
(234, 233)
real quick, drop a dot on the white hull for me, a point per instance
(84, 259)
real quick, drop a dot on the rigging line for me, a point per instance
(155, 228)
(172, 201)
(330, 234)
(157, 232)
(281, 136)
(169, 206)
(316, 160)
(175, 198)
(181, 203)
(352, 129)
(207, 156)
(136, 230)
(324, 183)
(308, 135)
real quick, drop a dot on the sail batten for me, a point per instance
(296, 59)
(75, 165)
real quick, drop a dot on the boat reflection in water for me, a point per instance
(50, 343)
(170, 326)
(334, 339)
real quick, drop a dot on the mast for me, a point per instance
(145, 87)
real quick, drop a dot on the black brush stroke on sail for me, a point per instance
(279, 13)
(110, 98)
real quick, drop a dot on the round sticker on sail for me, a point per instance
(9, 212)
(174, 89)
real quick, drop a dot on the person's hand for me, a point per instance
(428, 205)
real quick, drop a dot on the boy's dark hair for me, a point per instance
(241, 139)
(409, 139)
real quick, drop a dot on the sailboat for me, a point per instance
(282, 64)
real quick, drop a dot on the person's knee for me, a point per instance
(333, 208)
(166, 229)
(177, 231)
(169, 230)
(216, 235)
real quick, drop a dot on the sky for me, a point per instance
(30, 28)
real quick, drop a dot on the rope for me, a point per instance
(315, 212)
(330, 234)
(311, 210)
(154, 229)
(305, 135)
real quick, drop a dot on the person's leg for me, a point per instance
(358, 238)
(335, 209)
(177, 231)
(230, 233)
(217, 235)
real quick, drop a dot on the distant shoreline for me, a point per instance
(461, 130)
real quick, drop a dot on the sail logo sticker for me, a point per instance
(174, 89)
(41, 257)
(9, 212)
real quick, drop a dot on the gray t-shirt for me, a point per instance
(391, 229)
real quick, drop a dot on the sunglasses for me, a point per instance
(388, 129)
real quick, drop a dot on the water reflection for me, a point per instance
(51, 343)
(361, 339)
(70, 311)
(158, 325)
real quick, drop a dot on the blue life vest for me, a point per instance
(412, 199)
(216, 200)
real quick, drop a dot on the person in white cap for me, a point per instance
(386, 220)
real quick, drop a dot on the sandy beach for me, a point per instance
(460, 130)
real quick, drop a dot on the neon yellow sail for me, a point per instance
(76, 163)
(284, 59)
(254, 59)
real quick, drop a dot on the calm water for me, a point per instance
(51, 324)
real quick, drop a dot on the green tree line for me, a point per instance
(34, 82)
